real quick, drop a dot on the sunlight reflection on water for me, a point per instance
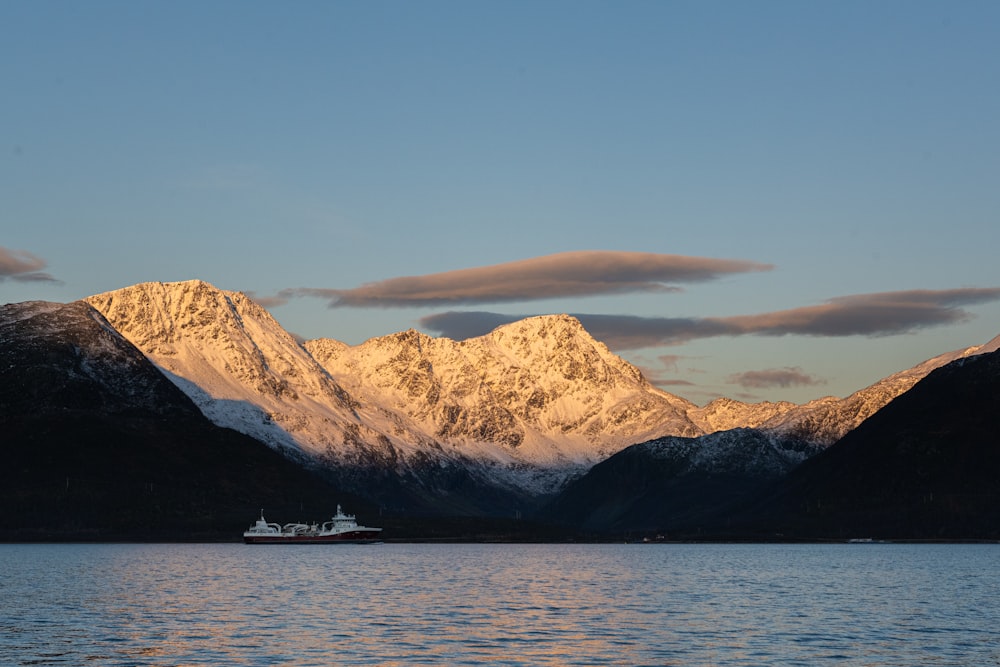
(502, 604)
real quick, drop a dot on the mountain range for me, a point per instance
(512, 421)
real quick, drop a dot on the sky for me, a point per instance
(759, 200)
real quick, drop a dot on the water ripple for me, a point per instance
(740, 605)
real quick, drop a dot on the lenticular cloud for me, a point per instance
(569, 274)
(877, 314)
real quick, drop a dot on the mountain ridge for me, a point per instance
(540, 392)
(220, 346)
(420, 424)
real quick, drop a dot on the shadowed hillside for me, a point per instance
(926, 466)
(98, 444)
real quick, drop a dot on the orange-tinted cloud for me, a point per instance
(568, 274)
(23, 266)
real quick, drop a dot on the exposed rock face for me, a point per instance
(542, 387)
(526, 406)
(239, 366)
(723, 414)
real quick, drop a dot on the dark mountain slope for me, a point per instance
(98, 444)
(676, 484)
(927, 465)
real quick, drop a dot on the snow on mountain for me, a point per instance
(245, 372)
(541, 387)
(526, 406)
(740, 451)
(828, 420)
(724, 414)
(531, 402)
(824, 420)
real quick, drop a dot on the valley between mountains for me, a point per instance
(519, 422)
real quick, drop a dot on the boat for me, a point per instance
(341, 529)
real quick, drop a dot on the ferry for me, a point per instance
(341, 529)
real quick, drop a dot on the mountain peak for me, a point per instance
(546, 334)
(541, 387)
(543, 326)
(161, 314)
(228, 353)
(408, 338)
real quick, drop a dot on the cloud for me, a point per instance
(879, 314)
(459, 325)
(266, 301)
(23, 266)
(791, 376)
(618, 332)
(568, 274)
(631, 332)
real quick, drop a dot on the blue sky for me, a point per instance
(762, 200)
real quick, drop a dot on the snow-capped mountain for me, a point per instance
(923, 467)
(526, 406)
(247, 373)
(684, 483)
(419, 425)
(541, 387)
(723, 414)
(828, 420)
(523, 408)
(825, 420)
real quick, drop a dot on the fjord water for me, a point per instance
(660, 604)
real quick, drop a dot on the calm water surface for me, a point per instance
(875, 604)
